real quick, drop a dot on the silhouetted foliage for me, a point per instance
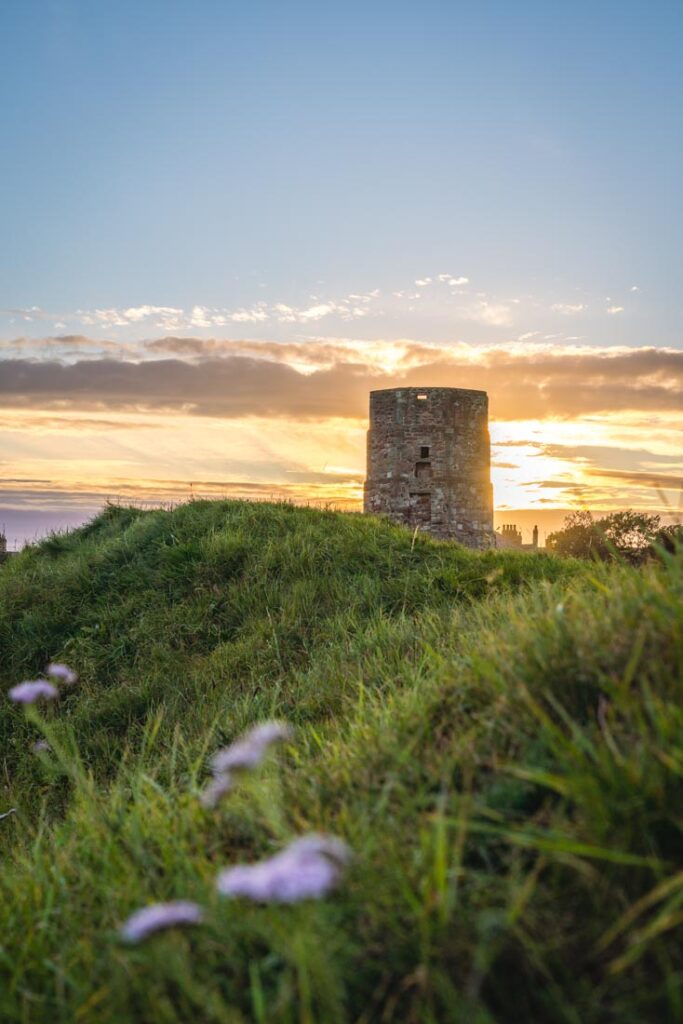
(669, 538)
(631, 535)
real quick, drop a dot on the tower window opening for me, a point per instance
(424, 451)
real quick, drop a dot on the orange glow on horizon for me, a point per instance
(537, 465)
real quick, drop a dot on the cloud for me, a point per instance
(567, 308)
(136, 313)
(522, 382)
(453, 282)
(438, 298)
(553, 485)
(492, 314)
(443, 297)
(29, 313)
(304, 356)
(29, 421)
(257, 315)
(67, 344)
(321, 488)
(205, 316)
(316, 312)
(610, 456)
(648, 480)
(173, 318)
(517, 444)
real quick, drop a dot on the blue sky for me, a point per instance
(223, 223)
(177, 154)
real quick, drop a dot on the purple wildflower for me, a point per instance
(40, 746)
(216, 789)
(249, 749)
(306, 869)
(33, 690)
(158, 916)
(62, 672)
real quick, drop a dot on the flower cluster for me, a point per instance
(158, 916)
(33, 690)
(308, 868)
(247, 752)
(41, 689)
(61, 672)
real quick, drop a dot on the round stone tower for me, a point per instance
(429, 462)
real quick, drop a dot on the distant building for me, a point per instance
(429, 462)
(509, 536)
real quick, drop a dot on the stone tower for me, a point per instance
(429, 462)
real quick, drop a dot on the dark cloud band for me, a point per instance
(521, 385)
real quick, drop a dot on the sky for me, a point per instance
(222, 224)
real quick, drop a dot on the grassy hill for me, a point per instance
(498, 737)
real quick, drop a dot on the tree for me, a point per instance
(669, 538)
(576, 538)
(620, 534)
(629, 531)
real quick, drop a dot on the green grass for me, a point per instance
(499, 738)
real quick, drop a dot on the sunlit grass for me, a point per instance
(498, 738)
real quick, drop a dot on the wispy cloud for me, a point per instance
(452, 281)
(341, 490)
(568, 308)
(610, 456)
(648, 480)
(427, 303)
(352, 306)
(171, 318)
(492, 314)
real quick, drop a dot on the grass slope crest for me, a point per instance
(497, 736)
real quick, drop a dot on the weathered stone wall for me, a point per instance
(429, 462)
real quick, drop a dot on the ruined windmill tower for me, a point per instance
(429, 462)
